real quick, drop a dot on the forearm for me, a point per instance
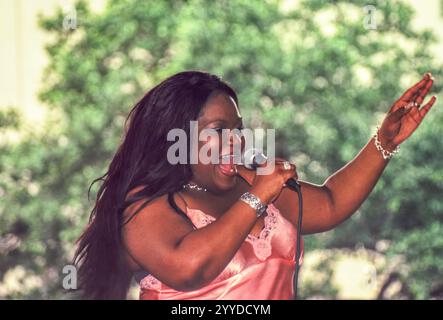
(351, 185)
(214, 246)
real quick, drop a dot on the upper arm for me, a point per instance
(151, 238)
(317, 207)
(317, 204)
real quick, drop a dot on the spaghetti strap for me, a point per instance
(181, 197)
(177, 209)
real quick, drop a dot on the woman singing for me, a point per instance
(216, 230)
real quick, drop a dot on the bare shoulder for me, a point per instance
(152, 232)
(158, 206)
(155, 204)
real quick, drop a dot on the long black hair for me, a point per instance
(141, 159)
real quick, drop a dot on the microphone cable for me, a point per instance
(249, 160)
(294, 185)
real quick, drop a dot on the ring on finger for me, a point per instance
(286, 165)
(411, 104)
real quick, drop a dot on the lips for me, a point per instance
(228, 166)
(227, 170)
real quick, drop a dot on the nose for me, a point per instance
(234, 140)
(235, 136)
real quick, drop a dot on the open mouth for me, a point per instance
(227, 165)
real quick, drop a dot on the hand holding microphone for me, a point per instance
(268, 186)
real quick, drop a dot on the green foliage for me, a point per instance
(9, 118)
(313, 72)
(423, 250)
(320, 283)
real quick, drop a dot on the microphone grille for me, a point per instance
(252, 158)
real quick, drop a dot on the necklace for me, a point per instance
(194, 186)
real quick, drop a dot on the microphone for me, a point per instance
(252, 159)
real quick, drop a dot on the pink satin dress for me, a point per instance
(262, 269)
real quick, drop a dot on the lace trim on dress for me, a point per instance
(203, 219)
(150, 283)
(261, 244)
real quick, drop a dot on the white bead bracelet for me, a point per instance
(386, 154)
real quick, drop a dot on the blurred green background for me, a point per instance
(322, 73)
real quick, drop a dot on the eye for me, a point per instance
(219, 130)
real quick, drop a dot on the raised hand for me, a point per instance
(405, 115)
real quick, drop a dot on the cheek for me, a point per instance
(204, 168)
(203, 172)
(211, 146)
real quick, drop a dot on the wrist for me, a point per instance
(261, 194)
(386, 143)
(386, 147)
(254, 202)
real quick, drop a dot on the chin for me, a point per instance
(224, 182)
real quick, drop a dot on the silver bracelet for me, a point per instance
(254, 202)
(386, 154)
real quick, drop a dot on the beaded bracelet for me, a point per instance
(386, 154)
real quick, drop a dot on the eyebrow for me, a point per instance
(240, 120)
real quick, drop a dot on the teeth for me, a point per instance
(229, 158)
